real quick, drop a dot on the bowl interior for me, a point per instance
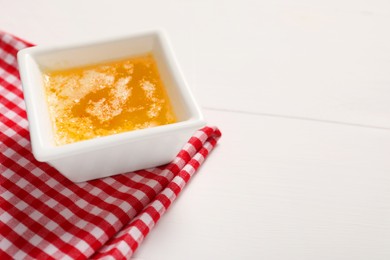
(62, 58)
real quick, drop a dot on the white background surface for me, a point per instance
(301, 92)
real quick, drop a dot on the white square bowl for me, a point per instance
(113, 154)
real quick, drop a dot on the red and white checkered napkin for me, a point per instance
(44, 215)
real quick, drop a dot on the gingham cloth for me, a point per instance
(43, 215)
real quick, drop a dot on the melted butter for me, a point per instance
(105, 99)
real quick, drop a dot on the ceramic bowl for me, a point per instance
(118, 153)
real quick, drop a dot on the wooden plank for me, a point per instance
(278, 188)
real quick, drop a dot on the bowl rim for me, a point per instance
(44, 151)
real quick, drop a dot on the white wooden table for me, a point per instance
(301, 92)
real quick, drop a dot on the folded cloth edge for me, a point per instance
(127, 240)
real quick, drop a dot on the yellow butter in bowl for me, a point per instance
(107, 98)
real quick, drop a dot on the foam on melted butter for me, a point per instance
(107, 98)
